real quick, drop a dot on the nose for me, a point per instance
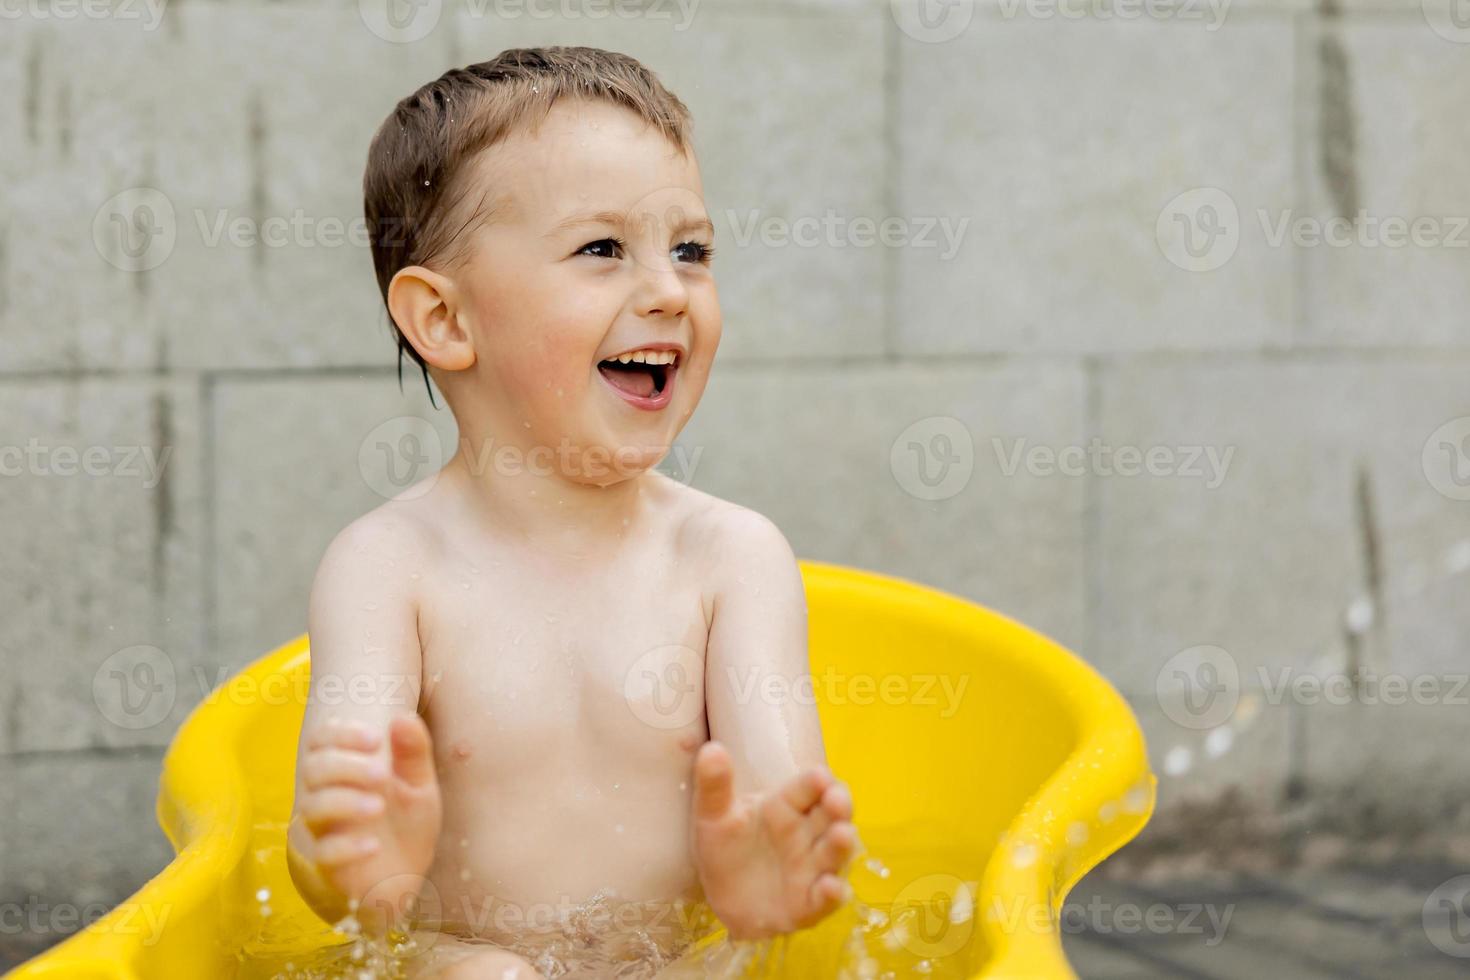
(661, 291)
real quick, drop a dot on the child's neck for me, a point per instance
(541, 506)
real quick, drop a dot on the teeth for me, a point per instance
(648, 357)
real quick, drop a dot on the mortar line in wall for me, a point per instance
(1408, 356)
(1091, 516)
(891, 170)
(1301, 41)
(207, 482)
(85, 752)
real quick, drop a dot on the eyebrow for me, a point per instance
(621, 218)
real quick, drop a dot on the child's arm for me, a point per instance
(366, 815)
(772, 826)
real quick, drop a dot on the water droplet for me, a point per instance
(1218, 742)
(1458, 560)
(1246, 711)
(1136, 800)
(264, 895)
(1359, 615)
(963, 907)
(1107, 812)
(1077, 834)
(1178, 760)
(1023, 855)
(370, 606)
(464, 874)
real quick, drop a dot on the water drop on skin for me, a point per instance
(369, 606)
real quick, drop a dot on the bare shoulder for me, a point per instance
(378, 557)
(732, 541)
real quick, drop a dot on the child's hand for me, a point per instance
(373, 822)
(770, 862)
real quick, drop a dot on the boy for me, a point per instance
(565, 647)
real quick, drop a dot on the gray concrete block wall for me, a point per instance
(1050, 185)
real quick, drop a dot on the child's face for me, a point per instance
(598, 248)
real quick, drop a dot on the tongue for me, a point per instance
(635, 381)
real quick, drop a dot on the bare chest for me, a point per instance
(521, 672)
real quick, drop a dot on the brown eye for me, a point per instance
(694, 252)
(605, 248)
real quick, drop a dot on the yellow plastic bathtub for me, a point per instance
(983, 758)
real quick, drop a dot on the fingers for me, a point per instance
(325, 767)
(336, 733)
(714, 781)
(413, 755)
(805, 789)
(835, 847)
(334, 806)
(336, 850)
(826, 893)
(835, 806)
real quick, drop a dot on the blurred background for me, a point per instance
(1144, 323)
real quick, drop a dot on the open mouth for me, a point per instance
(639, 379)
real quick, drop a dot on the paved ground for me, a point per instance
(1295, 925)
